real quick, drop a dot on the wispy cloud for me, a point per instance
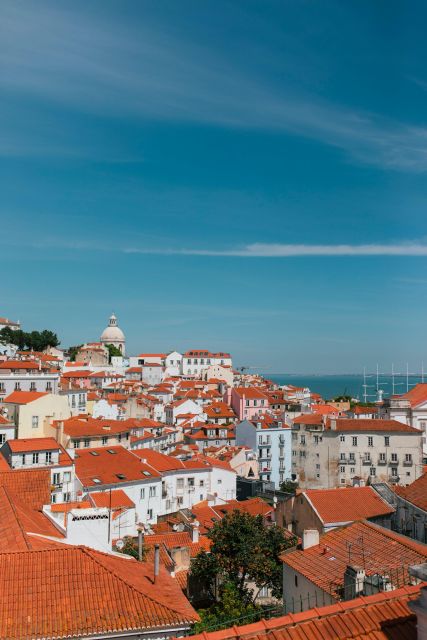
(260, 250)
(65, 56)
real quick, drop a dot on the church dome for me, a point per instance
(113, 334)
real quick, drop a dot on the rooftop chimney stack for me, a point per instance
(310, 538)
(354, 582)
(156, 561)
(195, 531)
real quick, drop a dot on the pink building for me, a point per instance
(248, 402)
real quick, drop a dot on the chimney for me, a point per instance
(310, 538)
(140, 542)
(195, 531)
(419, 606)
(156, 561)
(354, 581)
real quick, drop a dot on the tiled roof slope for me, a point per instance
(347, 505)
(417, 395)
(75, 591)
(375, 549)
(384, 616)
(31, 486)
(415, 493)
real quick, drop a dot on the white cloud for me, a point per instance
(261, 250)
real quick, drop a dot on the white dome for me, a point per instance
(113, 334)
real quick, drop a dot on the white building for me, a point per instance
(409, 408)
(197, 362)
(26, 375)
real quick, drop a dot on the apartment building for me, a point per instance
(26, 375)
(271, 439)
(409, 408)
(330, 452)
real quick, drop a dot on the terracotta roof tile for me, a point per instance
(75, 591)
(415, 493)
(24, 397)
(384, 616)
(373, 548)
(347, 504)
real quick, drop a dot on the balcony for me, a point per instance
(408, 463)
(394, 462)
(381, 462)
(366, 462)
(393, 478)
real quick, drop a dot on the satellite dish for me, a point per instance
(180, 527)
(120, 544)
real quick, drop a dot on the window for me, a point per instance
(352, 470)
(352, 458)
(23, 458)
(342, 438)
(294, 453)
(67, 476)
(318, 466)
(370, 441)
(342, 480)
(191, 482)
(86, 442)
(367, 457)
(202, 483)
(342, 456)
(382, 457)
(302, 439)
(17, 386)
(373, 471)
(179, 500)
(33, 386)
(66, 496)
(2, 438)
(35, 458)
(394, 471)
(247, 403)
(48, 386)
(35, 422)
(387, 441)
(76, 444)
(150, 514)
(142, 494)
(180, 483)
(354, 441)
(408, 457)
(104, 439)
(342, 469)
(56, 478)
(152, 492)
(73, 401)
(316, 439)
(219, 481)
(53, 498)
(48, 457)
(394, 457)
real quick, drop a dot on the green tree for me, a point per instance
(288, 486)
(130, 548)
(113, 351)
(230, 608)
(35, 340)
(243, 550)
(73, 351)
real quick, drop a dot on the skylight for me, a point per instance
(146, 473)
(96, 480)
(111, 451)
(94, 453)
(120, 476)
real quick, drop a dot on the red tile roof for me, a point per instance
(33, 444)
(415, 493)
(383, 616)
(81, 427)
(373, 548)
(250, 392)
(417, 395)
(110, 468)
(24, 397)
(75, 591)
(347, 504)
(32, 486)
(309, 418)
(115, 499)
(374, 424)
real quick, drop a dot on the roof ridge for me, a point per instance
(89, 552)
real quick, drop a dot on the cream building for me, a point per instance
(328, 453)
(33, 412)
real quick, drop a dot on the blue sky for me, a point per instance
(241, 175)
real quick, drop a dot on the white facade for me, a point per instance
(195, 363)
(173, 363)
(19, 380)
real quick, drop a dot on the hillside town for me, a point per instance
(165, 494)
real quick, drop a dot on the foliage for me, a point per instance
(33, 340)
(243, 550)
(113, 351)
(130, 548)
(73, 351)
(230, 607)
(288, 486)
